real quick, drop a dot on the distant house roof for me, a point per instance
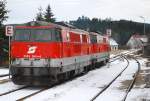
(142, 38)
(137, 41)
(112, 42)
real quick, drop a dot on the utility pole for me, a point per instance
(144, 24)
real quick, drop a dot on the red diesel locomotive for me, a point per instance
(45, 53)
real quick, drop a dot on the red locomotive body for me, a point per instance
(45, 53)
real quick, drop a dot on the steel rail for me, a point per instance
(4, 75)
(133, 81)
(8, 92)
(101, 91)
(116, 57)
(4, 81)
(28, 96)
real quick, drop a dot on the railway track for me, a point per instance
(4, 75)
(2, 67)
(4, 81)
(14, 90)
(130, 85)
(133, 81)
(28, 96)
(43, 89)
(118, 56)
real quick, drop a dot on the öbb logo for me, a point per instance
(32, 49)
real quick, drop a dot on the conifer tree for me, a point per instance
(39, 16)
(49, 16)
(3, 11)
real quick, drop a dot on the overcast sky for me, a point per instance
(65, 10)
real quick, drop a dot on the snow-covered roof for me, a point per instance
(112, 41)
(143, 38)
(136, 42)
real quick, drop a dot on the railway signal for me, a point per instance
(9, 30)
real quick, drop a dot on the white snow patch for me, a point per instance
(114, 92)
(82, 88)
(4, 71)
(139, 95)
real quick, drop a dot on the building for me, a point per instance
(113, 44)
(137, 42)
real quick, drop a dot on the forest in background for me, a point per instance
(121, 30)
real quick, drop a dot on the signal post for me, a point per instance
(9, 32)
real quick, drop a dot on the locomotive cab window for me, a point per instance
(38, 35)
(21, 35)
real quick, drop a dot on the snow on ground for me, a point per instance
(4, 71)
(82, 88)
(85, 87)
(140, 92)
(5, 87)
(116, 91)
(79, 89)
(18, 94)
(6, 77)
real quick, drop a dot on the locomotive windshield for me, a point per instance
(22, 35)
(37, 35)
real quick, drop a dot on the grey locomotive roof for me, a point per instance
(57, 25)
(43, 23)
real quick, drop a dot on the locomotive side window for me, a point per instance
(93, 38)
(46, 35)
(40, 35)
(22, 35)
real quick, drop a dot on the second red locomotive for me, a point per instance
(45, 53)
